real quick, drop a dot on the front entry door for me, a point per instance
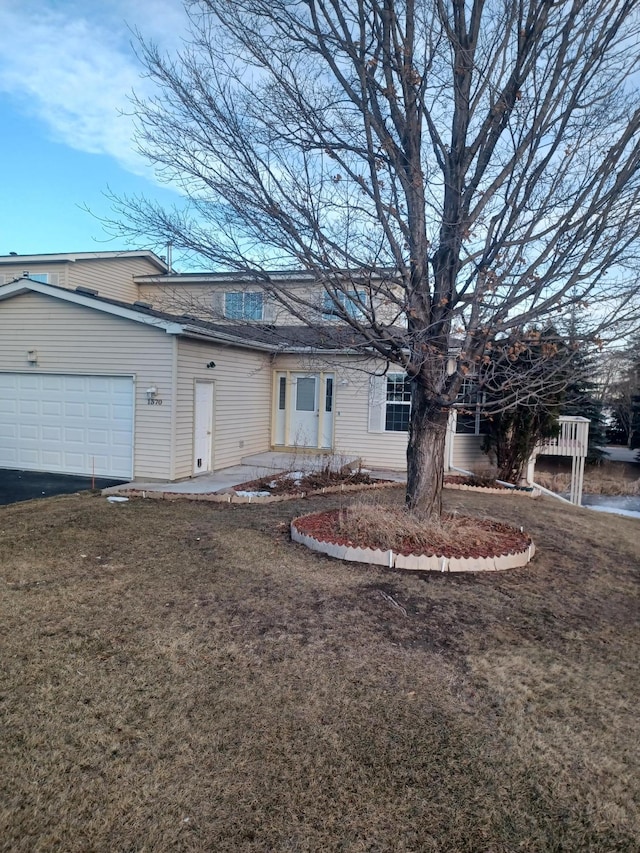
(305, 415)
(203, 428)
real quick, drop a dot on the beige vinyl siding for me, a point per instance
(183, 299)
(351, 410)
(352, 435)
(72, 339)
(206, 300)
(351, 423)
(468, 454)
(57, 272)
(242, 402)
(111, 277)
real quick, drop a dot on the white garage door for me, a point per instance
(67, 424)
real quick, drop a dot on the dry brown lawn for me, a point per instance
(180, 677)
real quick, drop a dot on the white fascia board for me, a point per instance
(72, 257)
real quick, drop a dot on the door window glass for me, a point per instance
(306, 394)
(328, 397)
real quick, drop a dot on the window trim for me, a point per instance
(397, 380)
(470, 398)
(243, 313)
(42, 277)
(351, 300)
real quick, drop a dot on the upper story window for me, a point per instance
(398, 403)
(243, 305)
(36, 276)
(352, 302)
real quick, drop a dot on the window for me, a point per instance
(328, 395)
(306, 394)
(282, 393)
(352, 303)
(36, 276)
(398, 403)
(469, 403)
(243, 305)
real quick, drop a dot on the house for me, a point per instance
(112, 364)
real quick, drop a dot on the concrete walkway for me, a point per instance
(252, 468)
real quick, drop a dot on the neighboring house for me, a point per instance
(110, 364)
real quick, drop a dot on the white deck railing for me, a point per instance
(573, 439)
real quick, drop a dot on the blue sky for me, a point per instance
(66, 69)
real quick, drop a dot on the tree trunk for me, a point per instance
(425, 455)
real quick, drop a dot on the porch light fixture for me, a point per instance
(32, 356)
(152, 392)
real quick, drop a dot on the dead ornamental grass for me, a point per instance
(594, 483)
(373, 524)
(609, 478)
(180, 677)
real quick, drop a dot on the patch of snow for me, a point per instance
(630, 513)
(248, 494)
(114, 499)
(628, 505)
(294, 475)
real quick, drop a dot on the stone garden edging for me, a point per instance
(413, 562)
(230, 497)
(491, 490)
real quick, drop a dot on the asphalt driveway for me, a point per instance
(25, 485)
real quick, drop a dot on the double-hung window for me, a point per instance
(470, 419)
(398, 403)
(352, 302)
(243, 305)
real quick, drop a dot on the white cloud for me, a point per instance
(71, 65)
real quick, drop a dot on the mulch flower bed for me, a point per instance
(461, 481)
(478, 482)
(486, 538)
(298, 482)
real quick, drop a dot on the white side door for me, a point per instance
(203, 428)
(305, 412)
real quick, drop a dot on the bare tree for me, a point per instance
(458, 168)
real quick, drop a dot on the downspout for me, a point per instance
(173, 430)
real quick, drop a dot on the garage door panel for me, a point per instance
(28, 432)
(27, 382)
(67, 424)
(100, 411)
(120, 440)
(77, 383)
(72, 460)
(52, 433)
(25, 407)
